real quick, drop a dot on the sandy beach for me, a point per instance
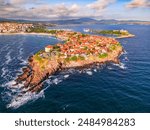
(47, 34)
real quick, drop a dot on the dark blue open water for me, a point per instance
(112, 88)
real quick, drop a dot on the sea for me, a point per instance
(109, 88)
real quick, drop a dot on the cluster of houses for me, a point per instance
(10, 27)
(81, 44)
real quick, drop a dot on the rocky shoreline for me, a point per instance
(34, 78)
(97, 50)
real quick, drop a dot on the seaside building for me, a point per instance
(48, 48)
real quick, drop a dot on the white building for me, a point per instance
(48, 48)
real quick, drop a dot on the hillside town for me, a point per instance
(77, 51)
(10, 27)
(80, 46)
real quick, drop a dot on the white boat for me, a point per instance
(86, 30)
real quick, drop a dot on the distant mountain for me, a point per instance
(7, 20)
(74, 21)
(12, 20)
(79, 21)
(94, 21)
(113, 21)
(19, 20)
(86, 20)
(68, 21)
(108, 21)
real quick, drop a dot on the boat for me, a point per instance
(86, 30)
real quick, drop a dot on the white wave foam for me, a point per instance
(18, 71)
(89, 73)
(5, 48)
(18, 101)
(121, 66)
(110, 68)
(8, 58)
(95, 70)
(58, 78)
(20, 51)
(11, 84)
(126, 58)
(80, 71)
(56, 81)
(24, 62)
(20, 54)
(4, 71)
(17, 98)
(125, 52)
(71, 71)
(20, 57)
(66, 76)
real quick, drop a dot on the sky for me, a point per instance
(73, 9)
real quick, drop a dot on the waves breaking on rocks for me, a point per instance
(15, 97)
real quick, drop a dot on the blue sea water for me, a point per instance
(110, 88)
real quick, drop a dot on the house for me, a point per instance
(48, 48)
(123, 31)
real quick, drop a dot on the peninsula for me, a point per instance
(78, 50)
(112, 33)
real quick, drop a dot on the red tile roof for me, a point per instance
(49, 46)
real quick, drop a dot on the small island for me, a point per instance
(78, 51)
(111, 33)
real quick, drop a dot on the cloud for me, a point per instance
(100, 4)
(6, 8)
(2, 1)
(138, 3)
(22, 2)
(44, 10)
(18, 10)
(48, 11)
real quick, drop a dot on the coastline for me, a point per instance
(47, 34)
(129, 36)
(112, 33)
(34, 77)
(90, 52)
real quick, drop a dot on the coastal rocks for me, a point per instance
(33, 76)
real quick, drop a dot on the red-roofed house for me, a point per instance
(48, 48)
